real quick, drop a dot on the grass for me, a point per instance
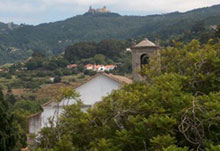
(5, 82)
(6, 65)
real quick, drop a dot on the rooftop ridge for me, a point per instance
(145, 43)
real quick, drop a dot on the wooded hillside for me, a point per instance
(53, 38)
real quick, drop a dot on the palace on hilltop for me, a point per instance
(98, 10)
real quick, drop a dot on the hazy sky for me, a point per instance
(41, 11)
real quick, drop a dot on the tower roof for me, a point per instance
(145, 43)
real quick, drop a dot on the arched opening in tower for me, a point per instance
(144, 59)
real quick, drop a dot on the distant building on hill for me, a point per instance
(100, 68)
(99, 10)
(71, 66)
(6, 70)
(213, 27)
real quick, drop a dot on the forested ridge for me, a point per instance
(53, 38)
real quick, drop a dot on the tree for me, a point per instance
(52, 137)
(38, 53)
(8, 130)
(79, 51)
(67, 71)
(218, 31)
(32, 64)
(199, 26)
(100, 59)
(176, 108)
(90, 72)
(57, 79)
(110, 48)
(11, 98)
(21, 110)
(80, 68)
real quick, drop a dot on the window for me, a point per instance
(144, 59)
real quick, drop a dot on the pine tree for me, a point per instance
(8, 131)
(218, 31)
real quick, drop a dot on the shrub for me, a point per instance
(57, 79)
(41, 74)
(89, 72)
(8, 76)
(67, 71)
(58, 72)
(82, 76)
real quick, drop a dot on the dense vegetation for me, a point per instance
(112, 49)
(105, 52)
(176, 108)
(12, 54)
(37, 69)
(23, 81)
(53, 38)
(8, 129)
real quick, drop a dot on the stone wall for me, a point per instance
(136, 59)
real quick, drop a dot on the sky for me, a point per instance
(43, 11)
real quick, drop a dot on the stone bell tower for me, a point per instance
(140, 56)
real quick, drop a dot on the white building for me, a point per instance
(95, 89)
(90, 92)
(100, 68)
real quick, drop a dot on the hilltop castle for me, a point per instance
(99, 10)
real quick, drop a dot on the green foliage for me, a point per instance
(176, 108)
(58, 72)
(8, 130)
(160, 142)
(213, 148)
(57, 79)
(11, 98)
(21, 110)
(67, 93)
(89, 72)
(125, 66)
(99, 59)
(199, 64)
(198, 27)
(175, 148)
(104, 144)
(110, 48)
(80, 51)
(34, 63)
(96, 52)
(64, 145)
(28, 106)
(67, 71)
(49, 138)
(27, 39)
(80, 68)
(218, 31)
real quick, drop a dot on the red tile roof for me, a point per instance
(72, 66)
(118, 78)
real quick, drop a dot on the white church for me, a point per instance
(92, 91)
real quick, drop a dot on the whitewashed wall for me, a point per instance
(91, 92)
(94, 90)
(50, 112)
